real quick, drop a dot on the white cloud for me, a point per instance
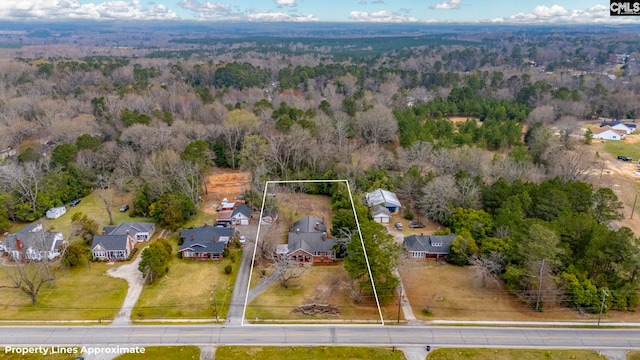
(383, 16)
(269, 16)
(362, 2)
(557, 14)
(285, 2)
(377, 2)
(447, 5)
(207, 10)
(72, 9)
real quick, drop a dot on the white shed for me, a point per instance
(56, 212)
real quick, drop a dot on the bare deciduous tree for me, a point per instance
(24, 179)
(29, 276)
(377, 125)
(439, 197)
(286, 269)
(487, 268)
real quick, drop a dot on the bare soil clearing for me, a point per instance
(228, 184)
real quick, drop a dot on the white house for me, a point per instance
(608, 133)
(33, 243)
(380, 214)
(241, 215)
(56, 212)
(628, 128)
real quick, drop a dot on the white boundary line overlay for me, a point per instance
(255, 248)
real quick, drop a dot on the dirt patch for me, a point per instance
(222, 185)
(452, 292)
(462, 119)
(317, 309)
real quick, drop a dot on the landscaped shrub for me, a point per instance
(228, 269)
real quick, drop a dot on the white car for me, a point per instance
(243, 238)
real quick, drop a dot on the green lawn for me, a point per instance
(15, 356)
(633, 355)
(93, 207)
(310, 353)
(79, 294)
(616, 148)
(165, 352)
(512, 354)
(186, 291)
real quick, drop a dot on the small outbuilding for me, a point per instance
(56, 212)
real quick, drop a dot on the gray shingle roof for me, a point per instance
(432, 244)
(242, 209)
(133, 228)
(32, 236)
(308, 224)
(310, 242)
(110, 242)
(202, 246)
(206, 233)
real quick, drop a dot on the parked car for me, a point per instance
(399, 226)
(416, 225)
(243, 239)
(74, 202)
(624, 158)
(124, 208)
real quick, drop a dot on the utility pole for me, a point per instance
(634, 206)
(540, 285)
(604, 295)
(399, 304)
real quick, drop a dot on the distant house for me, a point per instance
(384, 198)
(628, 128)
(434, 247)
(139, 231)
(241, 215)
(205, 242)
(117, 243)
(308, 242)
(33, 243)
(56, 212)
(608, 133)
(381, 214)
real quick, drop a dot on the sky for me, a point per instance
(382, 11)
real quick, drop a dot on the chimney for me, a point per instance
(192, 237)
(127, 232)
(324, 236)
(19, 245)
(317, 226)
(297, 231)
(104, 232)
(421, 234)
(205, 225)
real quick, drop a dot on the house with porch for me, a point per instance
(205, 242)
(608, 133)
(428, 247)
(628, 128)
(112, 247)
(308, 242)
(33, 243)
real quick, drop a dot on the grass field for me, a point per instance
(79, 294)
(512, 354)
(633, 355)
(307, 353)
(320, 285)
(14, 356)
(452, 292)
(185, 292)
(93, 207)
(623, 148)
(165, 352)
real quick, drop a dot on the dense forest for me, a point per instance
(512, 180)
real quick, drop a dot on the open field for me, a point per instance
(85, 293)
(462, 119)
(319, 285)
(451, 292)
(93, 207)
(512, 354)
(165, 352)
(629, 147)
(310, 353)
(13, 356)
(186, 291)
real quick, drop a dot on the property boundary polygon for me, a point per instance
(255, 246)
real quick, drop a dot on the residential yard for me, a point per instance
(93, 207)
(512, 354)
(164, 352)
(452, 292)
(307, 353)
(319, 285)
(186, 291)
(633, 355)
(85, 293)
(14, 356)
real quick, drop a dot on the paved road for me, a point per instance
(236, 307)
(399, 336)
